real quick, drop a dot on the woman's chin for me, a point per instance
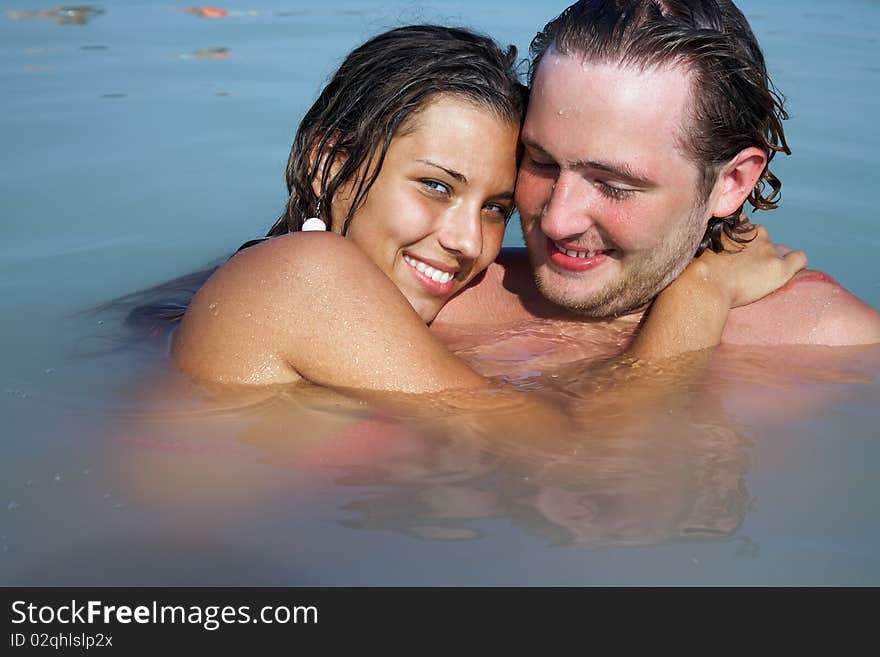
(427, 309)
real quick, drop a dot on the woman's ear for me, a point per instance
(319, 154)
(736, 180)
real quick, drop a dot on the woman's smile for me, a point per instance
(435, 279)
(435, 216)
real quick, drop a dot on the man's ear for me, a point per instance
(736, 180)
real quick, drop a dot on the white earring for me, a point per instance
(315, 223)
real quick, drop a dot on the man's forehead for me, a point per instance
(619, 106)
(553, 57)
(571, 65)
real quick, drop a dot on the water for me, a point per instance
(147, 142)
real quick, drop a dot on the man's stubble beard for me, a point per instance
(639, 282)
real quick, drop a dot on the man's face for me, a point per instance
(609, 202)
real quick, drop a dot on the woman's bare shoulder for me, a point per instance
(313, 307)
(253, 310)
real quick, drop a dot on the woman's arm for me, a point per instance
(312, 306)
(691, 312)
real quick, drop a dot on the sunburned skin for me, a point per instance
(812, 308)
(811, 276)
(604, 169)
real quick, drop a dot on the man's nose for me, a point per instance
(462, 232)
(566, 213)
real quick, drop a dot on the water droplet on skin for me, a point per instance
(213, 309)
(12, 505)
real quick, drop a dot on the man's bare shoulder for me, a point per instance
(812, 308)
(504, 293)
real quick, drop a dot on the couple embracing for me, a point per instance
(646, 128)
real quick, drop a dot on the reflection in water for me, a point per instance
(207, 12)
(622, 490)
(669, 474)
(207, 53)
(318, 483)
(219, 12)
(671, 467)
(78, 15)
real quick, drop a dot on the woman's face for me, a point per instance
(435, 216)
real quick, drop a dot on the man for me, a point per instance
(650, 124)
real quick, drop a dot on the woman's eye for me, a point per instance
(614, 193)
(496, 208)
(436, 186)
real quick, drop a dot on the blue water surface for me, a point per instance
(148, 141)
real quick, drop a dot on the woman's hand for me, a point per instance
(742, 274)
(690, 313)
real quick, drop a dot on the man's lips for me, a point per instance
(573, 258)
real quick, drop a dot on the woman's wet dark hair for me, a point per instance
(378, 87)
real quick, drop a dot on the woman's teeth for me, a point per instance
(434, 274)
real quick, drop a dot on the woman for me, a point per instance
(409, 158)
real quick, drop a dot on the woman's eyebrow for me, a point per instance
(460, 177)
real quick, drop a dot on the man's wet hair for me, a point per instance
(734, 104)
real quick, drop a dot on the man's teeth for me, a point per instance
(434, 274)
(579, 254)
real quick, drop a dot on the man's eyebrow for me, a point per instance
(460, 177)
(618, 169)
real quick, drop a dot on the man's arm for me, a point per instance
(811, 309)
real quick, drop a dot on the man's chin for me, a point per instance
(611, 300)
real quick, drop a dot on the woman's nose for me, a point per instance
(462, 232)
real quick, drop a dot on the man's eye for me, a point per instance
(435, 186)
(614, 193)
(541, 165)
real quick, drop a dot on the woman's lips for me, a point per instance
(438, 282)
(575, 259)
